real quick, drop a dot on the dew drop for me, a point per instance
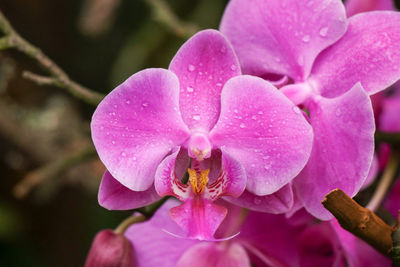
(145, 104)
(242, 125)
(219, 84)
(123, 154)
(113, 142)
(323, 32)
(254, 117)
(306, 38)
(128, 102)
(196, 117)
(191, 67)
(296, 110)
(260, 112)
(189, 89)
(236, 111)
(253, 165)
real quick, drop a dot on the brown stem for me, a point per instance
(359, 221)
(12, 39)
(50, 170)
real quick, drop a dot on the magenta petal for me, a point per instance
(264, 131)
(203, 65)
(135, 126)
(357, 252)
(114, 196)
(215, 254)
(153, 246)
(392, 203)
(369, 53)
(357, 6)
(278, 202)
(389, 117)
(372, 174)
(342, 151)
(231, 181)
(167, 182)
(198, 217)
(282, 37)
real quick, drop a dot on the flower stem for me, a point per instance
(384, 183)
(128, 222)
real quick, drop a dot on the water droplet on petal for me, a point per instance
(189, 89)
(254, 117)
(145, 104)
(242, 125)
(128, 102)
(296, 110)
(323, 32)
(306, 38)
(236, 111)
(260, 112)
(196, 117)
(191, 67)
(123, 154)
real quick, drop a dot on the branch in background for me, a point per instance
(164, 14)
(97, 16)
(359, 221)
(52, 169)
(13, 40)
(384, 183)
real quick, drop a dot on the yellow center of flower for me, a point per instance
(198, 180)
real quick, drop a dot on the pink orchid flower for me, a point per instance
(329, 65)
(264, 240)
(234, 132)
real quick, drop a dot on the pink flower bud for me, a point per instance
(110, 250)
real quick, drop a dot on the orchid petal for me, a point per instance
(372, 173)
(389, 117)
(231, 180)
(319, 247)
(278, 202)
(342, 151)
(198, 217)
(282, 37)
(357, 252)
(392, 203)
(114, 196)
(135, 126)
(167, 182)
(369, 53)
(154, 246)
(264, 131)
(203, 65)
(357, 6)
(216, 255)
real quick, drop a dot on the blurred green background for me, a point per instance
(99, 43)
